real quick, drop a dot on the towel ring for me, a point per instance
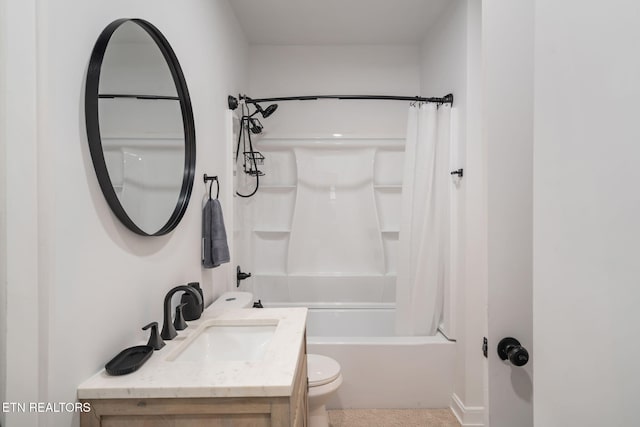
(211, 179)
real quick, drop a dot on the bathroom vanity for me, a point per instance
(242, 367)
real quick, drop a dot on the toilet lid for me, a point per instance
(321, 369)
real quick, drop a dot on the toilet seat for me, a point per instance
(321, 370)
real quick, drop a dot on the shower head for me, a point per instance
(270, 110)
(267, 111)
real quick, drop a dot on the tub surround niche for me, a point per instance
(271, 391)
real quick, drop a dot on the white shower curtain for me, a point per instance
(423, 247)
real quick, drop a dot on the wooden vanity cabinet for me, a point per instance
(285, 411)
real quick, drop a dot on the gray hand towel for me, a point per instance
(215, 249)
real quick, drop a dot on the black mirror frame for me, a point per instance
(93, 126)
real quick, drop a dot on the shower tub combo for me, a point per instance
(322, 233)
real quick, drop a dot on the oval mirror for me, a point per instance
(140, 127)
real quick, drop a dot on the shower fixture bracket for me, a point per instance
(448, 99)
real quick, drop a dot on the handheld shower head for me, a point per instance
(255, 126)
(267, 111)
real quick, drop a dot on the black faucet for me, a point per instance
(168, 330)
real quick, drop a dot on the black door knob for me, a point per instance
(510, 348)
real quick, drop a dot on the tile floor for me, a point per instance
(392, 418)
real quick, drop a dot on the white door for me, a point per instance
(562, 128)
(507, 57)
(586, 289)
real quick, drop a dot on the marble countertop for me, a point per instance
(161, 377)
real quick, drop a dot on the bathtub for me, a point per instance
(380, 370)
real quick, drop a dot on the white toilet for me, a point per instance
(324, 379)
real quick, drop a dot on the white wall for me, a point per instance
(586, 210)
(335, 70)
(451, 63)
(93, 282)
(3, 212)
(19, 134)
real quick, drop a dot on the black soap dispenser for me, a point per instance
(192, 310)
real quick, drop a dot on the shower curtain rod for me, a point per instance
(233, 101)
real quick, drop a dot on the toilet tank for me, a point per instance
(231, 301)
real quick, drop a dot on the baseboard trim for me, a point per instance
(468, 416)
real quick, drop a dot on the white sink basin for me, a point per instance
(214, 341)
